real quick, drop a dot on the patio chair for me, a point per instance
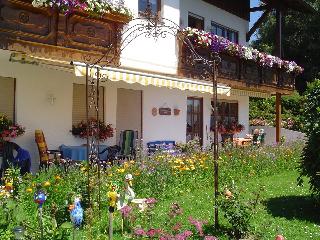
(127, 144)
(46, 156)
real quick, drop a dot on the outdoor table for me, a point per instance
(242, 141)
(80, 152)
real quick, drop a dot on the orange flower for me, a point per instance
(71, 207)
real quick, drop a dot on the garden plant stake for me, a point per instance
(112, 198)
(76, 214)
(40, 197)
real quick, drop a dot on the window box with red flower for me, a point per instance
(227, 130)
(105, 131)
(8, 129)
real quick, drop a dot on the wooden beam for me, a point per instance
(260, 8)
(278, 117)
(258, 23)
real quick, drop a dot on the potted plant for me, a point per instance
(227, 130)
(105, 131)
(8, 129)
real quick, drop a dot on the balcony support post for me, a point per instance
(278, 117)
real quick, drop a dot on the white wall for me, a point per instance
(213, 13)
(34, 111)
(161, 55)
(157, 55)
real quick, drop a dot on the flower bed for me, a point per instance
(169, 183)
(219, 44)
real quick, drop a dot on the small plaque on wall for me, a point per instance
(164, 111)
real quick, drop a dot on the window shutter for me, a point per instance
(79, 104)
(7, 92)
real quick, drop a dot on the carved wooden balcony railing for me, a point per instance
(46, 32)
(238, 73)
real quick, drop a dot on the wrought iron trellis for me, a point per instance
(154, 26)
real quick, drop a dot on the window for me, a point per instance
(225, 32)
(195, 21)
(227, 112)
(7, 97)
(155, 6)
(194, 118)
(79, 104)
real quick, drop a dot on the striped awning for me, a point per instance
(145, 79)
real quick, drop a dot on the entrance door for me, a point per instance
(129, 111)
(195, 119)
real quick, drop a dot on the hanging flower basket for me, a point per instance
(8, 129)
(105, 131)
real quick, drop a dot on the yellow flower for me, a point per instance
(131, 162)
(29, 190)
(120, 170)
(9, 186)
(46, 184)
(110, 175)
(57, 178)
(83, 169)
(136, 173)
(125, 165)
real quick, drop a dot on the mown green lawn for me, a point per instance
(284, 208)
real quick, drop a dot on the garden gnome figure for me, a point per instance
(113, 197)
(40, 197)
(76, 214)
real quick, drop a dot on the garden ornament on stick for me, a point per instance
(128, 195)
(76, 214)
(113, 197)
(40, 197)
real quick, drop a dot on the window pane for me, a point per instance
(143, 5)
(227, 113)
(7, 97)
(195, 21)
(220, 32)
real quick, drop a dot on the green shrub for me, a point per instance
(310, 162)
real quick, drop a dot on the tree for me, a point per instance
(300, 41)
(262, 111)
(310, 162)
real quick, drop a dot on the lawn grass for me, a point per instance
(284, 208)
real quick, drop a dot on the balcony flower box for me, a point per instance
(94, 8)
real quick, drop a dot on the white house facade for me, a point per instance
(47, 94)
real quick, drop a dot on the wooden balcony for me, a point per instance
(47, 33)
(238, 73)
